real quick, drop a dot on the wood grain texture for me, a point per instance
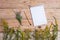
(8, 8)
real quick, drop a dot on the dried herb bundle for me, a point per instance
(41, 34)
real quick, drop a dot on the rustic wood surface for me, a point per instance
(9, 7)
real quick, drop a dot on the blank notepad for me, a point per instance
(38, 15)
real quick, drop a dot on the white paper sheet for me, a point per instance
(38, 15)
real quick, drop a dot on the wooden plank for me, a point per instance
(9, 14)
(12, 4)
(32, 28)
(52, 12)
(46, 3)
(20, 3)
(14, 22)
(6, 13)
